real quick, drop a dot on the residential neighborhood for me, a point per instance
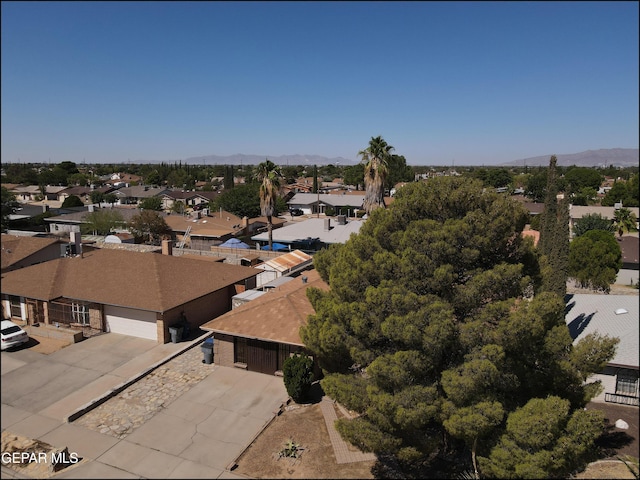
(218, 296)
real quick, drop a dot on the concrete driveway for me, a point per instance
(198, 435)
(33, 381)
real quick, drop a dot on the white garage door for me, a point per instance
(137, 323)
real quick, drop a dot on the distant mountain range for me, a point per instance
(283, 160)
(619, 157)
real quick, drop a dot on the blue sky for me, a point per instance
(467, 83)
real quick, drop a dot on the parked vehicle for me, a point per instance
(296, 212)
(12, 335)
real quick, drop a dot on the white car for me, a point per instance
(12, 335)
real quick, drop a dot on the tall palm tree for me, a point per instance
(624, 219)
(269, 174)
(376, 168)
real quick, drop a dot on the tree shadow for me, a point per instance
(578, 324)
(612, 440)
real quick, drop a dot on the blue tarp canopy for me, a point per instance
(276, 247)
(234, 243)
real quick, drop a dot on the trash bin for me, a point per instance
(207, 350)
(176, 334)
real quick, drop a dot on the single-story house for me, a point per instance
(71, 222)
(201, 232)
(134, 195)
(576, 212)
(189, 198)
(261, 334)
(137, 294)
(23, 251)
(344, 203)
(260, 224)
(83, 193)
(32, 193)
(313, 234)
(615, 316)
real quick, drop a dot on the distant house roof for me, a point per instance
(630, 246)
(591, 313)
(17, 248)
(141, 191)
(312, 228)
(287, 262)
(579, 211)
(145, 281)
(81, 217)
(535, 234)
(276, 316)
(334, 200)
(216, 226)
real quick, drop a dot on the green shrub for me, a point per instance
(298, 376)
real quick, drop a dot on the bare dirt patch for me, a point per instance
(305, 425)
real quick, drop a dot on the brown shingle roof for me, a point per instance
(16, 248)
(630, 246)
(147, 281)
(276, 316)
(209, 226)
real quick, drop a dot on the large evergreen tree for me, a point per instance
(431, 331)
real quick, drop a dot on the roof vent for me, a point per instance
(304, 279)
(621, 311)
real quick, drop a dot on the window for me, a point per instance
(16, 309)
(80, 313)
(240, 350)
(627, 383)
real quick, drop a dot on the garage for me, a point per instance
(128, 321)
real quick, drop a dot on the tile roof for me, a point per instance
(591, 313)
(16, 248)
(146, 281)
(276, 316)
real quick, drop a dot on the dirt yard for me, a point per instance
(305, 425)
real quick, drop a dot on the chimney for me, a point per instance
(342, 220)
(45, 208)
(76, 239)
(167, 247)
(327, 224)
(304, 279)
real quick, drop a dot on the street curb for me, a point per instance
(96, 402)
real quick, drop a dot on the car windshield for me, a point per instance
(10, 330)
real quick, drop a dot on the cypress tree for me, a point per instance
(228, 177)
(315, 179)
(554, 236)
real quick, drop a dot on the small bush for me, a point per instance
(298, 376)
